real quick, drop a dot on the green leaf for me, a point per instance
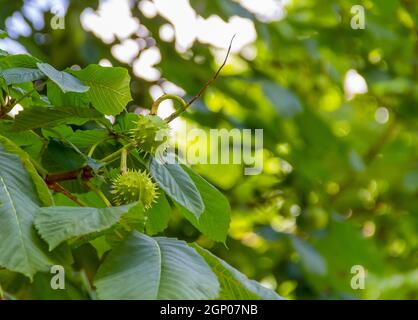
(66, 99)
(57, 224)
(59, 157)
(26, 94)
(215, 219)
(85, 139)
(20, 247)
(109, 87)
(40, 185)
(155, 268)
(18, 61)
(64, 80)
(101, 246)
(22, 138)
(178, 185)
(20, 75)
(125, 122)
(3, 87)
(234, 284)
(158, 216)
(47, 117)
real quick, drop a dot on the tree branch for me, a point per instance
(202, 91)
(86, 173)
(59, 188)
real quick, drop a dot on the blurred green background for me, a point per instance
(338, 107)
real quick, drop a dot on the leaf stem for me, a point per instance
(124, 161)
(156, 104)
(115, 155)
(93, 148)
(100, 193)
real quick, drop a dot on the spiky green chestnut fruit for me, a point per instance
(149, 133)
(134, 185)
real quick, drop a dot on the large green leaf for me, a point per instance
(215, 219)
(178, 185)
(234, 284)
(20, 75)
(64, 80)
(47, 117)
(40, 185)
(57, 224)
(20, 247)
(109, 87)
(155, 268)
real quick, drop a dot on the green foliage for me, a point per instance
(21, 248)
(158, 216)
(155, 268)
(40, 185)
(214, 220)
(50, 117)
(58, 224)
(21, 75)
(177, 184)
(235, 285)
(109, 88)
(65, 81)
(57, 179)
(340, 172)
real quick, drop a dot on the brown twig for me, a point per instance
(204, 88)
(85, 173)
(59, 188)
